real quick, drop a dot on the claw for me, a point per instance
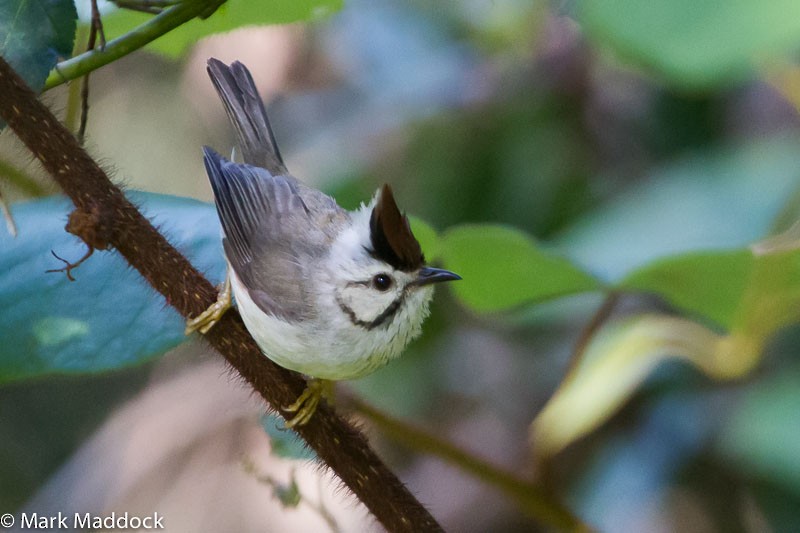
(306, 404)
(208, 318)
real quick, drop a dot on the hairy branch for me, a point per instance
(105, 218)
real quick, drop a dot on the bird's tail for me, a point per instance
(246, 112)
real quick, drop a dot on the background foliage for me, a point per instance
(557, 157)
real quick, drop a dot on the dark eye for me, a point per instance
(382, 282)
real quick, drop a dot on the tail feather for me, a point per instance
(246, 112)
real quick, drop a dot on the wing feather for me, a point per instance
(276, 229)
(270, 237)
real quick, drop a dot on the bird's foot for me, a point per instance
(208, 318)
(306, 404)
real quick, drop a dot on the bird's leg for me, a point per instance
(306, 404)
(208, 318)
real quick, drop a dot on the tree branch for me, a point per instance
(105, 218)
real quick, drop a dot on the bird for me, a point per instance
(330, 293)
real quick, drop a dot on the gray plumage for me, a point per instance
(323, 291)
(247, 115)
(263, 209)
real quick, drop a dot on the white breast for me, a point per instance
(329, 347)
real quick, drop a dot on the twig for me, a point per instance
(108, 218)
(532, 499)
(598, 319)
(290, 495)
(95, 30)
(152, 7)
(69, 267)
(600, 316)
(170, 18)
(10, 224)
(84, 109)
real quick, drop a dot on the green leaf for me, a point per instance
(231, 15)
(772, 298)
(695, 43)
(502, 268)
(710, 284)
(34, 34)
(753, 295)
(109, 317)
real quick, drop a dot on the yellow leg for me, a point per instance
(208, 318)
(306, 404)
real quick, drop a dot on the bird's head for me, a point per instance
(380, 279)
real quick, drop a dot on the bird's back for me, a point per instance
(276, 229)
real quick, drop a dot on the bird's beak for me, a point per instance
(428, 275)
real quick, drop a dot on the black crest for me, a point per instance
(390, 232)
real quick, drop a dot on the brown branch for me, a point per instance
(108, 219)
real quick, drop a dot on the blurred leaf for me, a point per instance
(772, 298)
(671, 429)
(618, 360)
(710, 284)
(722, 199)
(285, 442)
(762, 433)
(784, 241)
(752, 295)
(34, 34)
(751, 292)
(427, 237)
(288, 494)
(231, 15)
(109, 317)
(695, 43)
(503, 267)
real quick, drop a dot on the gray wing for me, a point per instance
(236, 88)
(273, 241)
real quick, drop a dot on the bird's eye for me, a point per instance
(382, 282)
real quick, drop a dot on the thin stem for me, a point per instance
(587, 334)
(73, 106)
(532, 499)
(600, 316)
(167, 20)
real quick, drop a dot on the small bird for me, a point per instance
(330, 293)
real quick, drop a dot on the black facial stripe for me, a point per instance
(380, 319)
